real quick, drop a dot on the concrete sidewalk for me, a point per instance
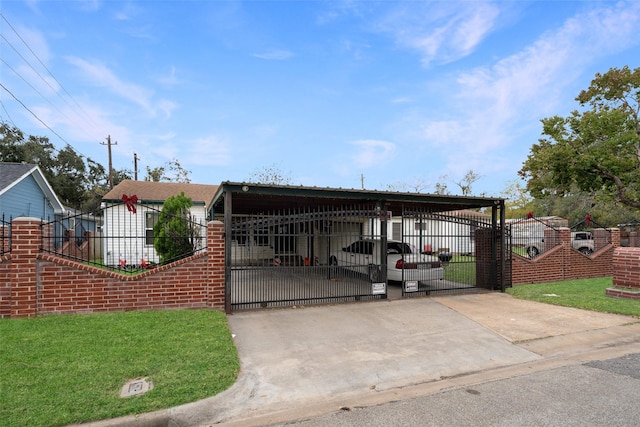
(300, 361)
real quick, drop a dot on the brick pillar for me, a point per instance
(553, 237)
(485, 265)
(615, 236)
(626, 274)
(564, 237)
(215, 265)
(634, 239)
(26, 240)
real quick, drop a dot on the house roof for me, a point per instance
(157, 192)
(13, 173)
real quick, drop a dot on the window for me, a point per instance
(150, 220)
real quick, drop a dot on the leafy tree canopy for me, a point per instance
(79, 183)
(172, 171)
(594, 151)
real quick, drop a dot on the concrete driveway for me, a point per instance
(297, 357)
(301, 361)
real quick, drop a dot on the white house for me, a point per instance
(132, 208)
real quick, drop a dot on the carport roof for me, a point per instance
(248, 198)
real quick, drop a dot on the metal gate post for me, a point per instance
(503, 251)
(494, 251)
(383, 247)
(228, 214)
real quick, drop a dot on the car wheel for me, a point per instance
(586, 251)
(532, 252)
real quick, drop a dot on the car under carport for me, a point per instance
(279, 239)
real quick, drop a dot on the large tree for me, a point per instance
(78, 183)
(172, 171)
(595, 150)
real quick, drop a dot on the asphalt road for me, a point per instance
(598, 393)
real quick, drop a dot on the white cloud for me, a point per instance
(170, 79)
(441, 32)
(371, 152)
(401, 100)
(499, 105)
(102, 76)
(274, 54)
(208, 151)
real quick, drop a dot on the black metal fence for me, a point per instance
(532, 236)
(349, 253)
(448, 239)
(124, 237)
(5, 235)
(584, 239)
(298, 257)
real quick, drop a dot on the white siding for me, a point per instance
(125, 239)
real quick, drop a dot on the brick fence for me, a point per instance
(562, 262)
(558, 262)
(35, 283)
(626, 274)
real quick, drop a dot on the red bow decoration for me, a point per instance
(587, 217)
(529, 215)
(130, 202)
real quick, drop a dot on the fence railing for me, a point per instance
(583, 239)
(5, 235)
(117, 237)
(533, 236)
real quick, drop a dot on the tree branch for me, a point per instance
(622, 194)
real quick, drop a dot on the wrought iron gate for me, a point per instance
(360, 252)
(462, 245)
(306, 256)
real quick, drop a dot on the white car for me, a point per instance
(403, 263)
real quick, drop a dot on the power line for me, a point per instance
(36, 117)
(35, 90)
(87, 116)
(7, 113)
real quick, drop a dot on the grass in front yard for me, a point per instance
(587, 294)
(63, 369)
(461, 269)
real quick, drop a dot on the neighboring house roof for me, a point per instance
(157, 192)
(469, 213)
(11, 174)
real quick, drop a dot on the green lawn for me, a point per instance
(57, 370)
(461, 269)
(587, 294)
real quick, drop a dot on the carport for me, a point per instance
(282, 244)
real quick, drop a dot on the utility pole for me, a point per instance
(362, 180)
(109, 144)
(135, 166)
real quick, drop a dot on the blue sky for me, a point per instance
(404, 94)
